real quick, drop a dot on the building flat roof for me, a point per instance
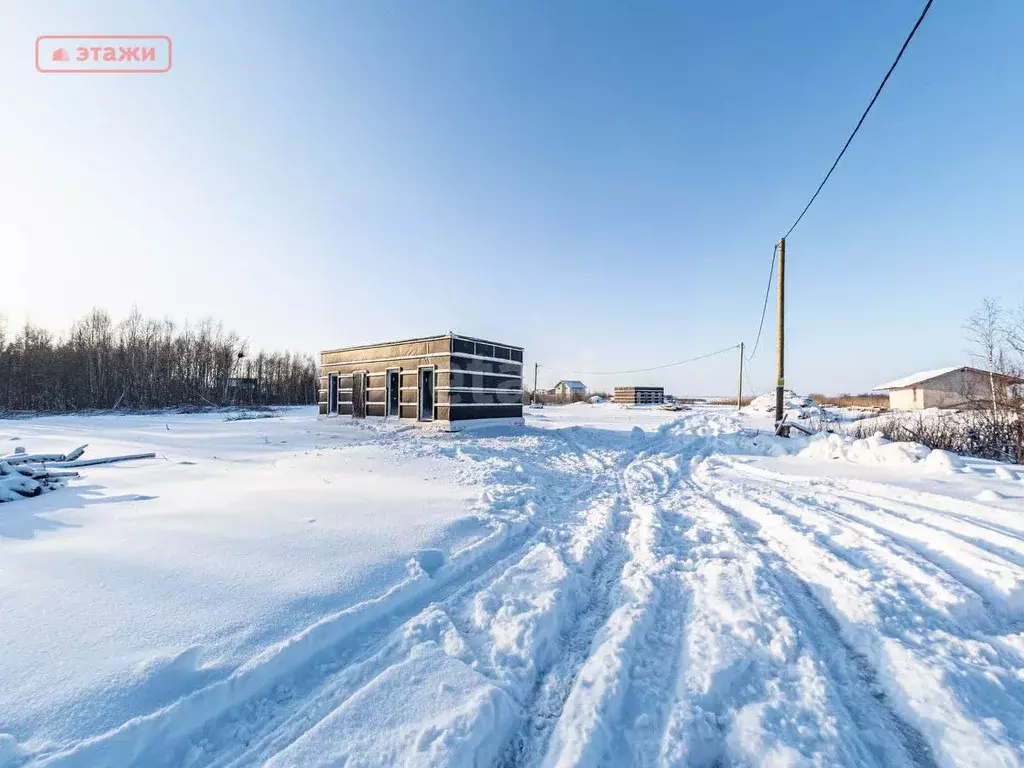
(421, 338)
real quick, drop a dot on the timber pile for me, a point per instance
(30, 474)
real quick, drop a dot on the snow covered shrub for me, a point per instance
(970, 432)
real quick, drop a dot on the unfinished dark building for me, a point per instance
(447, 381)
(639, 395)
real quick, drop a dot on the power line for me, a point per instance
(764, 309)
(643, 370)
(874, 98)
(750, 386)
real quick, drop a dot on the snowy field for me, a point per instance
(605, 586)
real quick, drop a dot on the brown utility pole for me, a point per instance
(739, 399)
(780, 384)
(535, 383)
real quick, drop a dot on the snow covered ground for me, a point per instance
(606, 586)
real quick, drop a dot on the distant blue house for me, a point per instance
(569, 389)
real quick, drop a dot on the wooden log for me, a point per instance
(104, 460)
(32, 458)
(75, 454)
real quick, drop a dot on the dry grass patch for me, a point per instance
(853, 401)
(730, 401)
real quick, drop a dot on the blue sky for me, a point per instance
(601, 183)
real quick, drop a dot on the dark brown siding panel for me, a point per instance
(463, 345)
(380, 367)
(469, 412)
(487, 380)
(409, 349)
(468, 398)
(485, 366)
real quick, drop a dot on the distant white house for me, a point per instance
(569, 389)
(958, 385)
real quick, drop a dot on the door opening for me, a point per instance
(359, 395)
(426, 394)
(393, 391)
(332, 393)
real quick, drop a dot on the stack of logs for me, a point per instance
(26, 474)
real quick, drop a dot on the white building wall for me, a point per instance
(903, 400)
(951, 390)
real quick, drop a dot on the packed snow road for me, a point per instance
(628, 588)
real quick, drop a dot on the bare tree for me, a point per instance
(986, 330)
(997, 339)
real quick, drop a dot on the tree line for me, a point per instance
(143, 363)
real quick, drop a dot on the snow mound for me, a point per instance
(596, 399)
(944, 461)
(795, 406)
(462, 719)
(1004, 474)
(875, 450)
(989, 495)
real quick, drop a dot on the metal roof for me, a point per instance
(922, 376)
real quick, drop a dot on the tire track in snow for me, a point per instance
(347, 679)
(1005, 546)
(521, 611)
(531, 745)
(602, 696)
(984, 581)
(255, 696)
(523, 607)
(850, 671)
(954, 718)
(976, 513)
(761, 677)
(542, 710)
(591, 711)
(656, 662)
